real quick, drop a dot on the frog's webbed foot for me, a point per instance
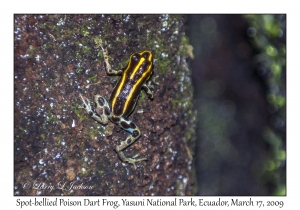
(129, 160)
(86, 104)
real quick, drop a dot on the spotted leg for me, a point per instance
(102, 110)
(135, 134)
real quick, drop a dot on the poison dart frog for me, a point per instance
(134, 77)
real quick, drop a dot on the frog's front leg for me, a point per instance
(108, 67)
(148, 87)
(102, 110)
(135, 134)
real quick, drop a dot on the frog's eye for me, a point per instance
(134, 58)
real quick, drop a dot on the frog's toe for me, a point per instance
(86, 103)
(133, 161)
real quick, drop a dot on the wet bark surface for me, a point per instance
(58, 148)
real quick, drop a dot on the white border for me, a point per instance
(228, 7)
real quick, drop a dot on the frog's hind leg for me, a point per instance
(135, 134)
(102, 110)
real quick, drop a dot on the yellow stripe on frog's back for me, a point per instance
(125, 79)
(142, 59)
(136, 68)
(136, 85)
